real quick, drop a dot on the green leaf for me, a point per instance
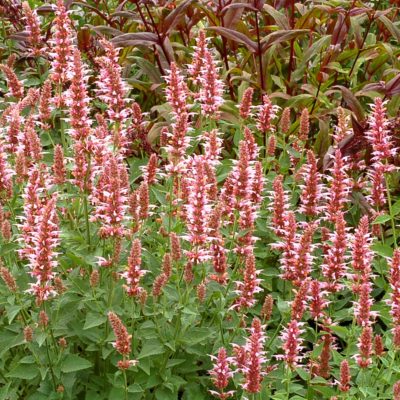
(380, 219)
(93, 320)
(74, 363)
(151, 348)
(382, 249)
(24, 371)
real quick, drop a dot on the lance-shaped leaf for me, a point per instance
(393, 86)
(135, 39)
(351, 101)
(279, 18)
(236, 37)
(281, 36)
(173, 18)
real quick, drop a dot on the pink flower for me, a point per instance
(342, 129)
(334, 265)
(361, 252)
(177, 144)
(111, 88)
(123, 339)
(311, 194)
(266, 113)
(77, 99)
(212, 89)
(198, 209)
(291, 344)
(14, 85)
(299, 303)
(362, 308)
(280, 206)
(245, 105)
(317, 299)
(253, 369)
(110, 198)
(6, 174)
(33, 29)
(176, 91)
(340, 186)
(42, 258)
(221, 374)
(133, 273)
(365, 348)
(345, 376)
(62, 45)
(378, 133)
(197, 64)
(250, 285)
(212, 146)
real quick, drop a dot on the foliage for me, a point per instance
(113, 154)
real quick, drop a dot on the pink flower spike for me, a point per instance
(255, 358)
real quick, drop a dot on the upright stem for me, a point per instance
(260, 54)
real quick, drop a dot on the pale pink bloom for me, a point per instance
(221, 374)
(250, 285)
(110, 198)
(212, 88)
(62, 45)
(266, 113)
(311, 190)
(134, 273)
(379, 133)
(339, 187)
(43, 257)
(176, 90)
(292, 344)
(197, 64)
(77, 99)
(256, 358)
(112, 90)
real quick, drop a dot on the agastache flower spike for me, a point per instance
(342, 129)
(110, 199)
(123, 339)
(78, 100)
(311, 194)
(255, 358)
(378, 133)
(280, 206)
(304, 128)
(292, 344)
(334, 265)
(303, 258)
(250, 285)
(111, 88)
(317, 299)
(133, 273)
(63, 49)
(42, 259)
(197, 64)
(361, 251)
(340, 185)
(344, 376)
(245, 105)
(221, 374)
(14, 85)
(362, 308)
(33, 29)
(198, 209)
(299, 303)
(211, 90)
(365, 348)
(6, 174)
(266, 113)
(176, 91)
